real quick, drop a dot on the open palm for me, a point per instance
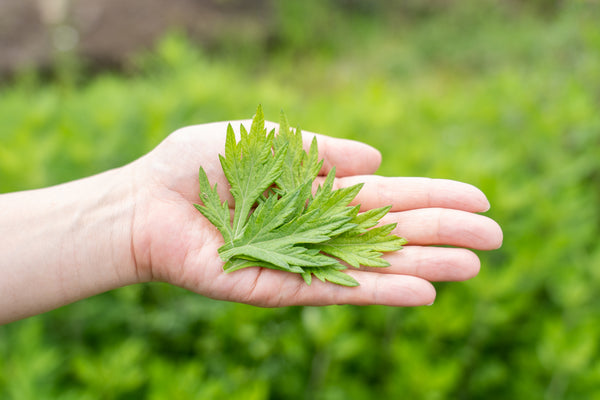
(173, 242)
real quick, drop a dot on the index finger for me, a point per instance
(349, 157)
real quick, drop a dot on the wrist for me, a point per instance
(96, 215)
(102, 227)
(65, 243)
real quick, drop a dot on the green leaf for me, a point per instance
(299, 167)
(289, 178)
(363, 249)
(307, 276)
(334, 276)
(278, 255)
(369, 219)
(217, 213)
(239, 263)
(250, 167)
(329, 203)
(278, 223)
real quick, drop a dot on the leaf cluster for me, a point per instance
(278, 222)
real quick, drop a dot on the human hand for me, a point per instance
(173, 242)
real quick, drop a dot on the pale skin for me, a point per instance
(138, 224)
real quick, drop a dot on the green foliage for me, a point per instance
(290, 229)
(505, 100)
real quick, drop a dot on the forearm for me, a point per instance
(64, 243)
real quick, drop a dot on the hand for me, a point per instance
(173, 242)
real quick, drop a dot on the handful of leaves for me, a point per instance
(278, 223)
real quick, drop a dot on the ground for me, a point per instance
(108, 32)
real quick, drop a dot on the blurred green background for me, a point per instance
(501, 94)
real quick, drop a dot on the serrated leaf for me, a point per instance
(307, 276)
(328, 203)
(311, 165)
(280, 256)
(277, 222)
(235, 264)
(369, 219)
(363, 249)
(217, 213)
(250, 168)
(290, 177)
(334, 276)
(299, 167)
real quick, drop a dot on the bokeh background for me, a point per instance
(503, 94)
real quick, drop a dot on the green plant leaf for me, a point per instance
(334, 276)
(278, 223)
(364, 248)
(217, 213)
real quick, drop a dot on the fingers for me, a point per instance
(440, 226)
(411, 193)
(349, 157)
(375, 288)
(436, 264)
(403, 284)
